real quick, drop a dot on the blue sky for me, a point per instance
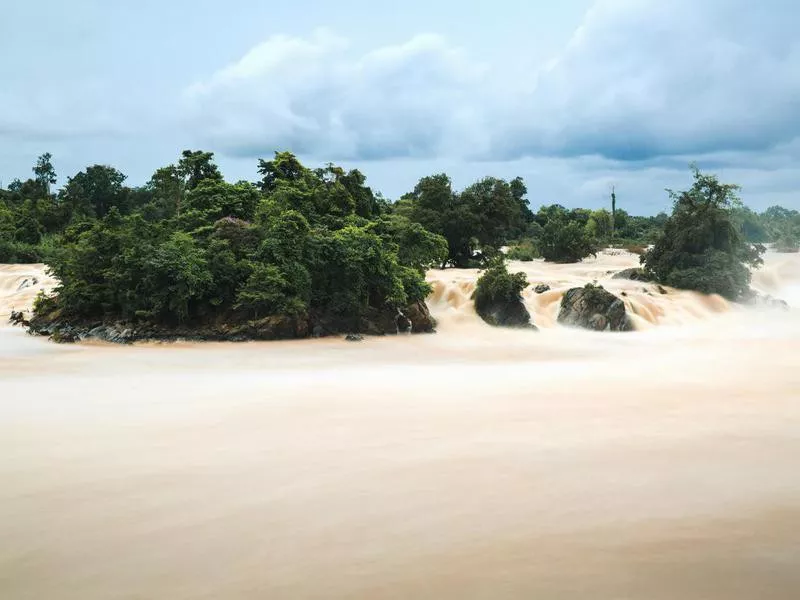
(574, 96)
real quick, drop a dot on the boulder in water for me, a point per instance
(354, 337)
(633, 274)
(506, 313)
(592, 307)
(541, 288)
(419, 317)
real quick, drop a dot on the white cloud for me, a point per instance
(312, 96)
(639, 79)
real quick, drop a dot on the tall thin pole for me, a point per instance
(613, 211)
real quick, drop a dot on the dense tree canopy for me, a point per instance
(189, 244)
(702, 246)
(301, 246)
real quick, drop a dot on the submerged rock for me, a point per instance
(633, 274)
(541, 288)
(754, 298)
(592, 307)
(27, 282)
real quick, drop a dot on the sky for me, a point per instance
(574, 96)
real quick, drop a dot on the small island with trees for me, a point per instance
(313, 252)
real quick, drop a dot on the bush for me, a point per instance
(18, 252)
(787, 242)
(566, 241)
(498, 285)
(637, 249)
(524, 251)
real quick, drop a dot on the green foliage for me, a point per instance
(565, 240)
(702, 247)
(498, 285)
(268, 291)
(415, 246)
(193, 248)
(195, 167)
(788, 240)
(95, 191)
(525, 251)
(476, 222)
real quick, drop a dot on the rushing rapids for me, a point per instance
(474, 463)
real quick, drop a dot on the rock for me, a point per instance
(634, 274)
(354, 337)
(661, 290)
(17, 317)
(420, 317)
(506, 313)
(26, 283)
(403, 323)
(541, 288)
(64, 335)
(114, 334)
(279, 327)
(754, 298)
(592, 307)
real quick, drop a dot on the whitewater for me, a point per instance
(474, 463)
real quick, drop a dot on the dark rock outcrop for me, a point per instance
(506, 313)
(592, 307)
(27, 282)
(354, 337)
(17, 317)
(634, 274)
(420, 317)
(541, 288)
(413, 318)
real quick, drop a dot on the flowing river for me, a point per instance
(475, 463)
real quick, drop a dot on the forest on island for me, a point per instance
(321, 245)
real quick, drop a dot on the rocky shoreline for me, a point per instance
(414, 318)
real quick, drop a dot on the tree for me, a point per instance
(27, 228)
(44, 172)
(564, 241)
(600, 225)
(196, 166)
(269, 292)
(212, 200)
(497, 209)
(435, 206)
(702, 247)
(94, 191)
(416, 247)
(168, 188)
(284, 167)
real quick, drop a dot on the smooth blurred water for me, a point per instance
(474, 463)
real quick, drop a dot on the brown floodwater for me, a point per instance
(475, 463)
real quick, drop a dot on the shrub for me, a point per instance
(525, 251)
(565, 241)
(498, 285)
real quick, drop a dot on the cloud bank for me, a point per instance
(640, 80)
